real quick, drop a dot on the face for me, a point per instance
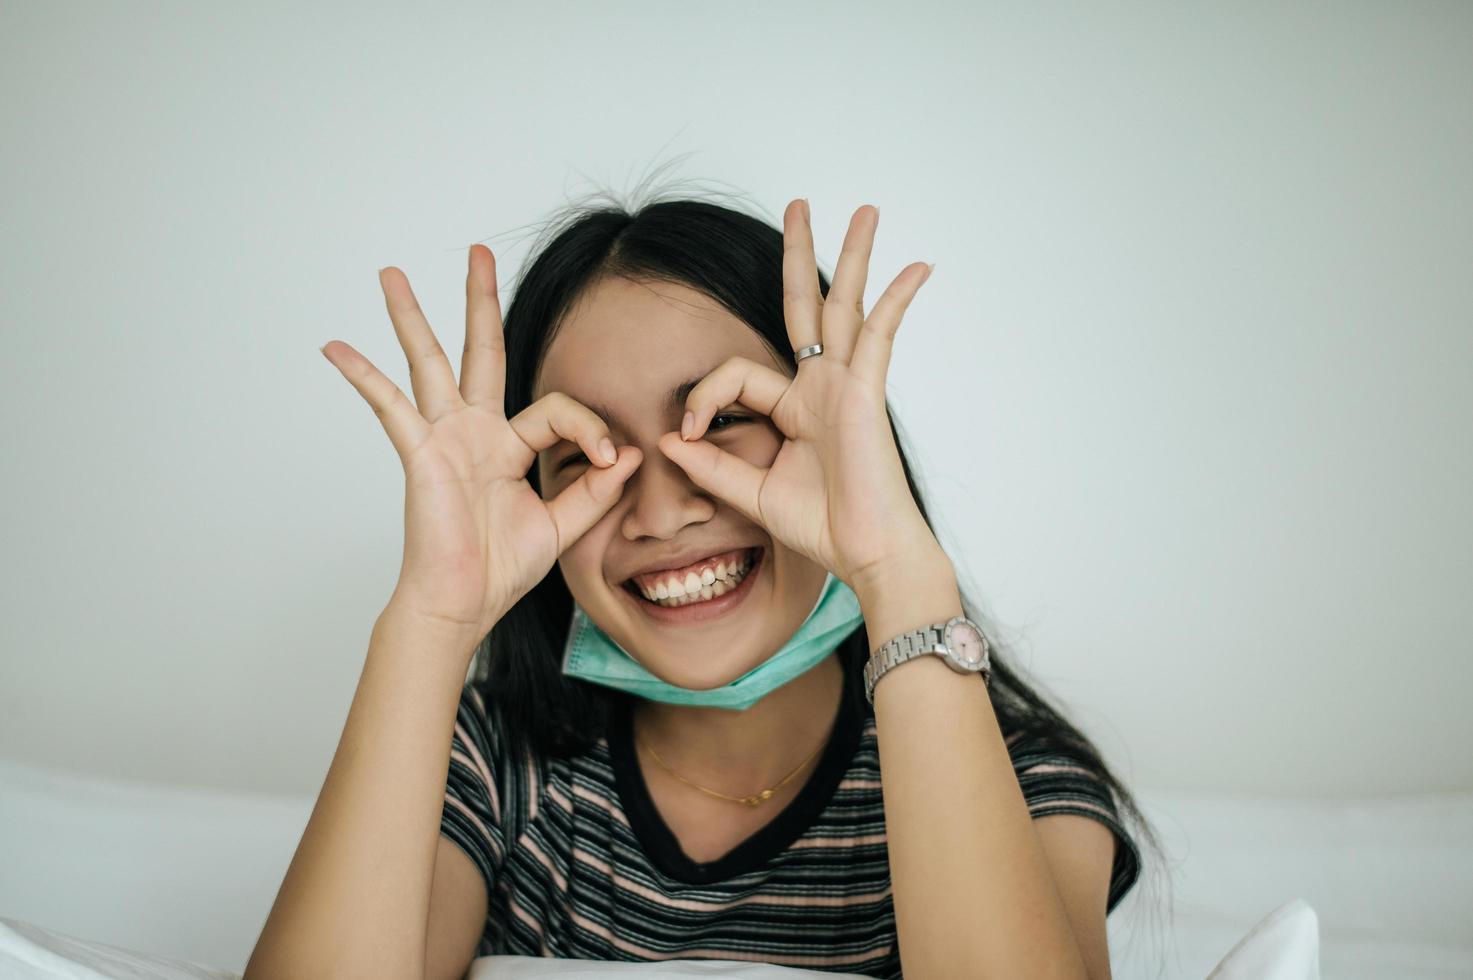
(624, 348)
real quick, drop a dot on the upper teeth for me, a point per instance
(673, 587)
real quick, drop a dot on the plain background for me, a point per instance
(1189, 388)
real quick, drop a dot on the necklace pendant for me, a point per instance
(766, 794)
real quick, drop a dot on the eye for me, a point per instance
(732, 419)
(569, 461)
(726, 415)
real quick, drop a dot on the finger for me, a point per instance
(483, 363)
(719, 472)
(401, 420)
(843, 308)
(871, 359)
(430, 374)
(734, 380)
(802, 299)
(556, 417)
(583, 502)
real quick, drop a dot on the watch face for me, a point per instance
(966, 645)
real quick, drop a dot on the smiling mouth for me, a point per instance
(705, 592)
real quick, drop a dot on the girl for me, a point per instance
(666, 518)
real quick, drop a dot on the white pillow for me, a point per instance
(28, 952)
(1284, 945)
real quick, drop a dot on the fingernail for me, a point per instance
(685, 425)
(606, 446)
(807, 214)
(929, 268)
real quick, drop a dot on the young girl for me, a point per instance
(667, 518)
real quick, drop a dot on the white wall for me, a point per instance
(1190, 383)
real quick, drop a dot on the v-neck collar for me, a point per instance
(660, 844)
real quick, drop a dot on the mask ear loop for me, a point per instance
(577, 624)
(823, 591)
(572, 637)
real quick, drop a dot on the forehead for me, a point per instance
(627, 343)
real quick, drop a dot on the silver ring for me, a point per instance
(810, 351)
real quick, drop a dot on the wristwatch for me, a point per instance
(958, 641)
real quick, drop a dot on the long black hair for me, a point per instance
(736, 259)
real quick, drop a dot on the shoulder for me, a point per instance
(494, 785)
(478, 733)
(476, 750)
(1056, 779)
(486, 754)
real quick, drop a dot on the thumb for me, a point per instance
(583, 502)
(724, 474)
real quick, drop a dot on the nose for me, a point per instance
(662, 499)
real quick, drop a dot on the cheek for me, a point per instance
(582, 566)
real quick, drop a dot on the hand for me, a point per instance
(477, 536)
(836, 491)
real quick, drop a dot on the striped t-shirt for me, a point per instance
(579, 864)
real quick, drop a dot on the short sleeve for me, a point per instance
(1055, 782)
(472, 817)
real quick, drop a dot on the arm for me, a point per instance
(356, 898)
(974, 890)
(1081, 852)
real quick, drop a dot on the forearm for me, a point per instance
(973, 892)
(356, 897)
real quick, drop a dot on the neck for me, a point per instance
(744, 748)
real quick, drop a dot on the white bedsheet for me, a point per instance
(29, 952)
(191, 874)
(1284, 946)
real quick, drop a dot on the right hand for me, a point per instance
(477, 536)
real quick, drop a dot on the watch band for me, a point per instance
(918, 642)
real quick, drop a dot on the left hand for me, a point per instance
(835, 492)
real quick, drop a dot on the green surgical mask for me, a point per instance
(593, 656)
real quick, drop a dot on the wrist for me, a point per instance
(924, 561)
(439, 632)
(916, 591)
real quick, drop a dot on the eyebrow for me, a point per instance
(674, 400)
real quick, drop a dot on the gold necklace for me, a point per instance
(753, 800)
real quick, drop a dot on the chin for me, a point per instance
(699, 677)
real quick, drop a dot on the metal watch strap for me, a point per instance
(897, 651)
(906, 646)
(915, 643)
